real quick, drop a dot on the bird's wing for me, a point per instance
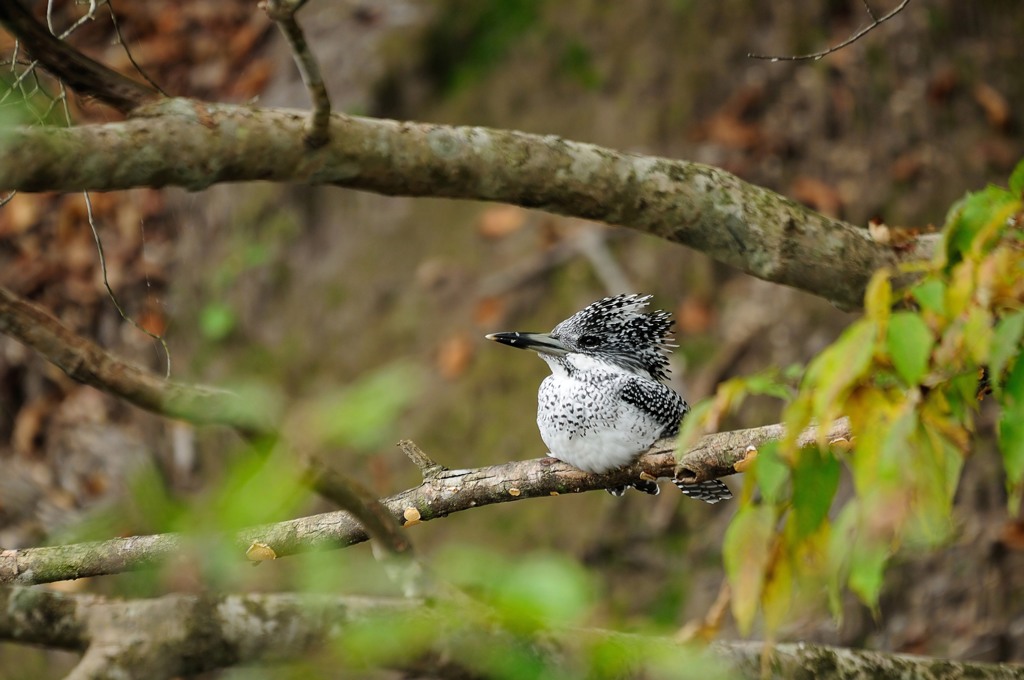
(658, 401)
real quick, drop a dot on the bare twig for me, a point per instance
(444, 493)
(876, 21)
(86, 76)
(283, 14)
(128, 52)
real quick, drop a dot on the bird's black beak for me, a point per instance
(538, 342)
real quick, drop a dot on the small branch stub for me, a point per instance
(282, 12)
(428, 468)
(260, 552)
(748, 459)
(411, 516)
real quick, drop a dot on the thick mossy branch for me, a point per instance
(187, 143)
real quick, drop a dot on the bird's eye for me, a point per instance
(589, 341)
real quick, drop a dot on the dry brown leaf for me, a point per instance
(906, 167)
(694, 315)
(817, 194)
(454, 356)
(500, 221)
(153, 320)
(1012, 535)
(28, 425)
(489, 311)
(996, 108)
(22, 213)
(253, 80)
(942, 83)
(731, 132)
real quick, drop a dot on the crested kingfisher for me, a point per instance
(605, 402)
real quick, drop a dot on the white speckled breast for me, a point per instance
(585, 422)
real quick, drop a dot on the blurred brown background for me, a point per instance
(308, 289)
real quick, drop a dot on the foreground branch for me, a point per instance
(442, 493)
(187, 634)
(191, 144)
(178, 634)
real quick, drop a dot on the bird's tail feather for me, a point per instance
(710, 491)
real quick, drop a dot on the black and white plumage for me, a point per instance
(605, 403)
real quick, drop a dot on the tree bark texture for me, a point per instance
(187, 143)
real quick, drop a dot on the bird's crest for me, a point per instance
(618, 330)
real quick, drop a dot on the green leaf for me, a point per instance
(746, 551)
(1017, 179)
(768, 383)
(839, 551)
(1005, 344)
(361, 416)
(909, 343)
(1011, 425)
(971, 215)
(693, 427)
(216, 321)
(867, 569)
(931, 295)
(770, 472)
(544, 589)
(815, 480)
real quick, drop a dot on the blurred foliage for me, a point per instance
(909, 374)
(523, 621)
(472, 36)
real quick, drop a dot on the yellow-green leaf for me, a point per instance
(831, 375)
(778, 592)
(746, 551)
(878, 297)
(978, 334)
